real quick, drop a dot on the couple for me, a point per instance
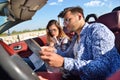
(94, 55)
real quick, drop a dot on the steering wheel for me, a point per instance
(15, 67)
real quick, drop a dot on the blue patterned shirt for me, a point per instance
(97, 56)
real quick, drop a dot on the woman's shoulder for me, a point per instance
(65, 40)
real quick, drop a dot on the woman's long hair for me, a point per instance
(61, 32)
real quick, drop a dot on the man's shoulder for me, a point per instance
(99, 28)
(96, 24)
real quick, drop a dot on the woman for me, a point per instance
(57, 39)
(56, 36)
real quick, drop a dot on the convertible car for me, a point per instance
(12, 66)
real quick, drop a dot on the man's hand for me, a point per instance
(52, 58)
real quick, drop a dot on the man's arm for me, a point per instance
(102, 44)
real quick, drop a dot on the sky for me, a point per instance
(52, 8)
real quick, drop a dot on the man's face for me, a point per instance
(71, 21)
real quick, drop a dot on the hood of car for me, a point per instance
(18, 11)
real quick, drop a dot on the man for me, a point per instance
(95, 55)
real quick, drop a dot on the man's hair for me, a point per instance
(72, 9)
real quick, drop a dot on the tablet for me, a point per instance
(34, 46)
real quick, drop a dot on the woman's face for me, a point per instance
(54, 30)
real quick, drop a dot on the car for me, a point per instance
(17, 70)
(12, 67)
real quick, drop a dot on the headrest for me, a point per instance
(94, 16)
(111, 20)
(116, 8)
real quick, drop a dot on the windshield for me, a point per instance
(53, 7)
(2, 19)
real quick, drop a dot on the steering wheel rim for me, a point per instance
(18, 69)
